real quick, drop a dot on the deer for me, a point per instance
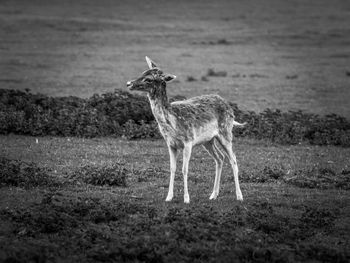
(205, 120)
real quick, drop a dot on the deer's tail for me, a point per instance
(235, 123)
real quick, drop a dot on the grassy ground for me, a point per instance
(277, 54)
(279, 220)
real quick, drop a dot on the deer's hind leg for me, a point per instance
(186, 158)
(219, 157)
(226, 144)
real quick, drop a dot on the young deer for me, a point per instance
(205, 120)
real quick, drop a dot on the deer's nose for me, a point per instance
(129, 84)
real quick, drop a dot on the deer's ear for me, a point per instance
(169, 77)
(150, 63)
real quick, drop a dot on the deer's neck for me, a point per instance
(159, 103)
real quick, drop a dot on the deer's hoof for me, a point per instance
(186, 199)
(239, 197)
(213, 196)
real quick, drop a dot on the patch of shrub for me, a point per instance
(100, 115)
(212, 73)
(293, 127)
(132, 130)
(222, 41)
(321, 178)
(204, 78)
(191, 78)
(24, 174)
(112, 175)
(120, 113)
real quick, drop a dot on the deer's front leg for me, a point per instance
(173, 157)
(186, 158)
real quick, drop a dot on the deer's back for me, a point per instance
(202, 109)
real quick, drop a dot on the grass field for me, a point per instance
(277, 54)
(282, 218)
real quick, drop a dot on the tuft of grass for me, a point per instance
(133, 130)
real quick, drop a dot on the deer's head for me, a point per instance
(150, 80)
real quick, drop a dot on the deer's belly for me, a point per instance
(176, 137)
(205, 133)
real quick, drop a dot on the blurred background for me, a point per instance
(279, 54)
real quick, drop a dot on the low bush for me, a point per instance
(24, 174)
(212, 73)
(191, 78)
(112, 175)
(293, 127)
(100, 115)
(132, 130)
(120, 113)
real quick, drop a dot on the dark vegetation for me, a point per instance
(100, 115)
(212, 73)
(320, 178)
(29, 175)
(253, 233)
(24, 174)
(112, 175)
(123, 114)
(72, 226)
(129, 230)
